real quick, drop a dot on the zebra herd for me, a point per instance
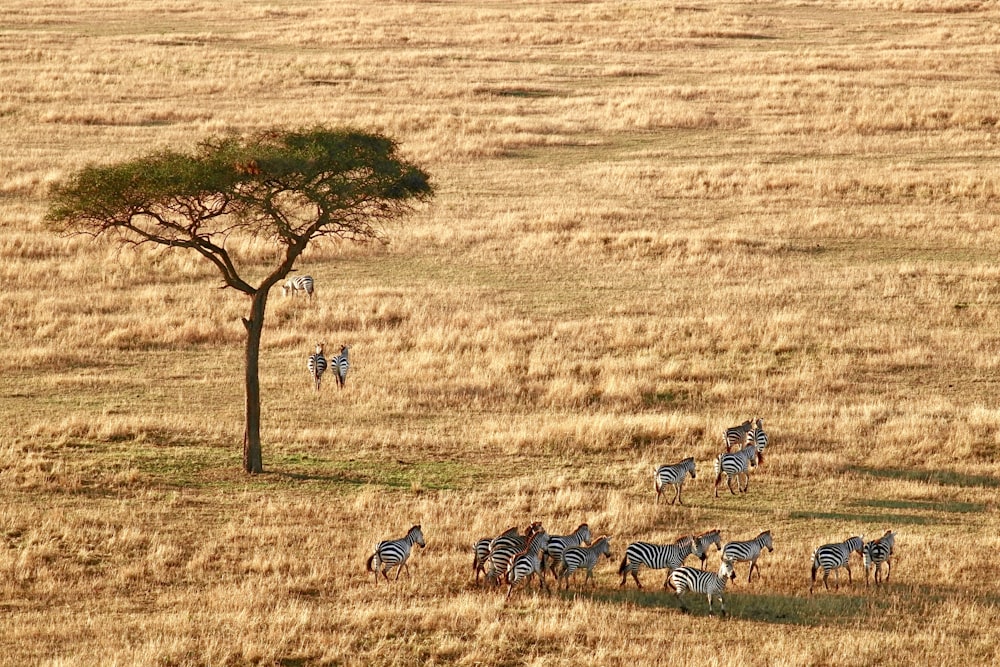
(317, 363)
(515, 558)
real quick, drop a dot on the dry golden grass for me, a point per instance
(652, 222)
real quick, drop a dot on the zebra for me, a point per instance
(832, 557)
(527, 563)
(702, 542)
(759, 439)
(735, 464)
(504, 548)
(317, 365)
(748, 551)
(673, 475)
(655, 557)
(392, 553)
(298, 284)
(559, 543)
(340, 365)
(576, 557)
(685, 579)
(734, 435)
(879, 551)
(481, 551)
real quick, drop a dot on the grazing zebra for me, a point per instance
(655, 557)
(298, 284)
(685, 579)
(734, 435)
(702, 542)
(317, 365)
(527, 563)
(504, 548)
(673, 475)
(559, 543)
(392, 553)
(735, 464)
(340, 365)
(879, 551)
(576, 557)
(481, 551)
(759, 439)
(748, 551)
(832, 557)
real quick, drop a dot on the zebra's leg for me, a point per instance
(722, 605)
(510, 589)
(753, 564)
(677, 495)
(635, 575)
(888, 570)
(718, 479)
(813, 579)
(729, 483)
(848, 566)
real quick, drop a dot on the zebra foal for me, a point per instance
(298, 284)
(685, 579)
(560, 543)
(576, 557)
(340, 365)
(879, 551)
(316, 365)
(748, 551)
(394, 553)
(702, 542)
(673, 475)
(526, 564)
(736, 464)
(734, 435)
(832, 557)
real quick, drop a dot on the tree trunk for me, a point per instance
(252, 458)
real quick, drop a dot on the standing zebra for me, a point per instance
(748, 551)
(340, 366)
(685, 579)
(759, 439)
(504, 548)
(317, 365)
(481, 551)
(655, 557)
(527, 563)
(560, 543)
(673, 475)
(735, 464)
(392, 553)
(702, 542)
(832, 557)
(298, 284)
(576, 557)
(879, 551)
(734, 435)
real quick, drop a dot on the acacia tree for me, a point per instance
(287, 187)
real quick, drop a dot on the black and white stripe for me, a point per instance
(685, 579)
(559, 543)
(481, 551)
(759, 439)
(748, 551)
(736, 435)
(298, 284)
(832, 557)
(504, 548)
(526, 564)
(317, 365)
(735, 464)
(340, 365)
(879, 551)
(576, 557)
(655, 557)
(393, 553)
(702, 542)
(673, 475)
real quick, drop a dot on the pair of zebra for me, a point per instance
(832, 557)
(734, 465)
(317, 365)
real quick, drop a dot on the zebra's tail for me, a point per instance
(624, 566)
(371, 563)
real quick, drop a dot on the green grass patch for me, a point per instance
(942, 477)
(926, 505)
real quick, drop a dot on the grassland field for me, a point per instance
(652, 221)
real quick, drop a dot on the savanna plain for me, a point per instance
(651, 221)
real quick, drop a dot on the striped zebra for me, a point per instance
(701, 543)
(393, 553)
(685, 579)
(655, 557)
(759, 439)
(879, 551)
(735, 464)
(735, 435)
(340, 365)
(298, 284)
(317, 365)
(527, 563)
(832, 557)
(748, 551)
(559, 543)
(481, 551)
(576, 557)
(503, 549)
(674, 476)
